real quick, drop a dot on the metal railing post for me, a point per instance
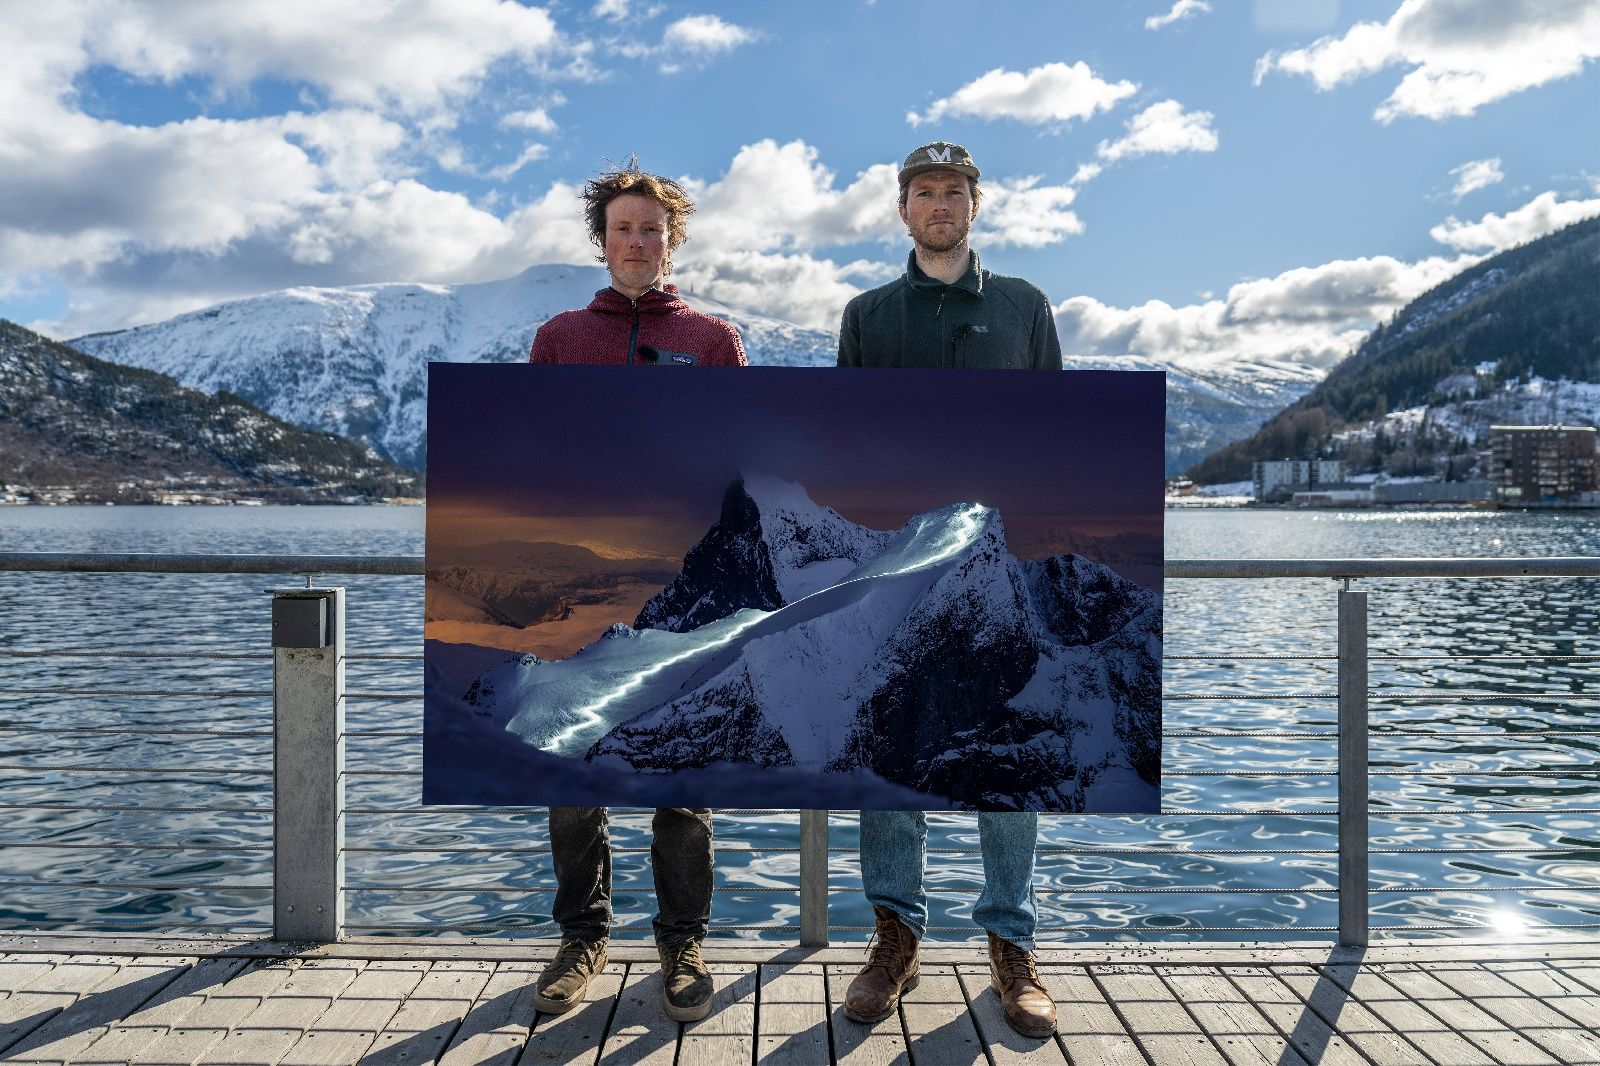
(1353, 781)
(308, 764)
(813, 879)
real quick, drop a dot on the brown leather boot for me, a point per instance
(891, 969)
(1029, 1008)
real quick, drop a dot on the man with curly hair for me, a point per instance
(637, 220)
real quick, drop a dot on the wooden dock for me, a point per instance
(79, 999)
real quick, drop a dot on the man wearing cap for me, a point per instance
(947, 311)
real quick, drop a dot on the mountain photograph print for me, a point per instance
(775, 588)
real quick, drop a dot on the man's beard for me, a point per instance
(941, 240)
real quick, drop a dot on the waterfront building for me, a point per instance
(1281, 478)
(1530, 464)
(1425, 492)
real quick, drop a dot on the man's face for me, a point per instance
(938, 209)
(636, 243)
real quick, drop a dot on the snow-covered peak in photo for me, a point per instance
(771, 545)
(938, 662)
(810, 545)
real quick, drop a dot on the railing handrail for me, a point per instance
(1177, 569)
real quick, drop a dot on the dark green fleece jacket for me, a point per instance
(984, 321)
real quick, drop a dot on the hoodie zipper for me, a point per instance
(633, 337)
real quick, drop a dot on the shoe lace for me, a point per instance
(685, 958)
(574, 953)
(887, 948)
(1016, 963)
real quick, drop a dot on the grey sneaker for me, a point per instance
(685, 981)
(565, 981)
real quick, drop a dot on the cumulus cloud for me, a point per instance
(1054, 92)
(1312, 316)
(537, 119)
(705, 35)
(1543, 214)
(692, 39)
(414, 57)
(1478, 174)
(1022, 213)
(1164, 128)
(615, 10)
(1463, 54)
(1181, 10)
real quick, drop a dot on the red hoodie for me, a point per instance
(657, 327)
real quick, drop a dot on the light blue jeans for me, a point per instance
(893, 849)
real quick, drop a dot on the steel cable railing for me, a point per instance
(1161, 924)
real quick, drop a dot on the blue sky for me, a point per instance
(1273, 175)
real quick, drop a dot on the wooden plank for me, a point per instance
(1514, 1006)
(1004, 1044)
(496, 1028)
(1087, 1029)
(17, 970)
(881, 1043)
(360, 1012)
(1244, 1035)
(792, 1017)
(1465, 1017)
(1308, 1034)
(73, 1030)
(726, 1036)
(1567, 1045)
(578, 1035)
(1349, 1017)
(1443, 1045)
(48, 993)
(938, 1026)
(640, 1030)
(279, 1021)
(1155, 1018)
(217, 1012)
(129, 1035)
(421, 1029)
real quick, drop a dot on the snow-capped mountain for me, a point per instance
(929, 660)
(1212, 405)
(353, 360)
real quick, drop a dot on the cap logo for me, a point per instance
(939, 155)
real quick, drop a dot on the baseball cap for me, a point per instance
(940, 155)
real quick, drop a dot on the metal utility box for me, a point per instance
(300, 622)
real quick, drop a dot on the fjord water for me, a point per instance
(111, 750)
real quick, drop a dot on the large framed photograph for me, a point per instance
(770, 587)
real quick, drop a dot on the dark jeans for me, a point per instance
(680, 861)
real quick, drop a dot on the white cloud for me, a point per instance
(1164, 128)
(1463, 53)
(1054, 92)
(413, 57)
(615, 10)
(705, 35)
(1182, 9)
(1085, 173)
(1022, 213)
(693, 39)
(1477, 174)
(1543, 214)
(538, 119)
(1312, 316)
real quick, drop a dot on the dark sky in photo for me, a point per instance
(879, 446)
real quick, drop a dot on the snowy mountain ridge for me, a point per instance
(353, 360)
